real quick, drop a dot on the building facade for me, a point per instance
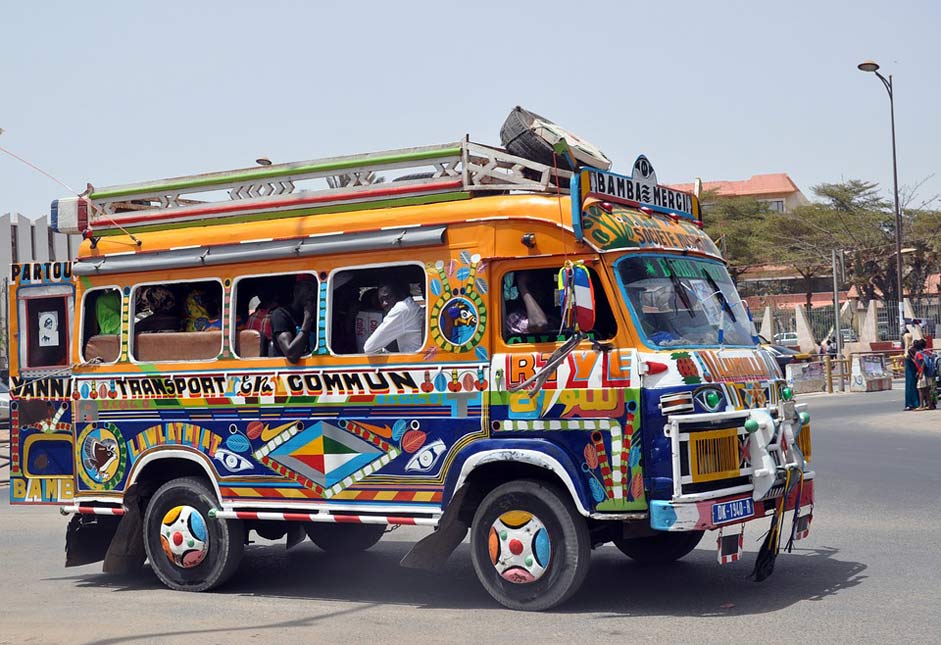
(25, 240)
(777, 190)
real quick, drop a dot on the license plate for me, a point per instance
(730, 511)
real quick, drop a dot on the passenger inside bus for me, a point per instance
(260, 318)
(363, 299)
(528, 296)
(531, 314)
(403, 322)
(367, 318)
(156, 310)
(202, 310)
(292, 339)
(102, 325)
(108, 312)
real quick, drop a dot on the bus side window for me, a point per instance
(177, 321)
(530, 311)
(47, 325)
(101, 325)
(256, 298)
(378, 310)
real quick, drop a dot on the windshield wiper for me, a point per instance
(680, 290)
(718, 293)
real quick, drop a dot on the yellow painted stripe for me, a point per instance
(294, 493)
(245, 492)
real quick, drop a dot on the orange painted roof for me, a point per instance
(773, 183)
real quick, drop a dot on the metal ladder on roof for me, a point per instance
(447, 172)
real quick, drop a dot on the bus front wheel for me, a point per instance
(529, 546)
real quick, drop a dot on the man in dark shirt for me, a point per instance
(290, 339)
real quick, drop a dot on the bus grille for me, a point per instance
(714, 454)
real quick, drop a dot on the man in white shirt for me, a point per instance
(404, 323)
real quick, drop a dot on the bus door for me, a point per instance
(588, 407)
(42, 451)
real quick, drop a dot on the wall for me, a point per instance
(33, 245)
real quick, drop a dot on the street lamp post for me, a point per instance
(870, 66)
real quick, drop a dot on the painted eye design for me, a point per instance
(711, 399)
(426, 458)
(232, 462)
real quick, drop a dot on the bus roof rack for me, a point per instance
(428, 174)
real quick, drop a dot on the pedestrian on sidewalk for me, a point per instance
(920, 359)
(924, 364)
(911, 372)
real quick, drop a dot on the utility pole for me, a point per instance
(836, 320)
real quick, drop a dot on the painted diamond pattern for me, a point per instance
(325, 454)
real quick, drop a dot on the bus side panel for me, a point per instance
(41, 452)
(356, 437)
(590, 409)
(40, 308)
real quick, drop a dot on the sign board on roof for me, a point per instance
(640, 189)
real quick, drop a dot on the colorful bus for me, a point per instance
(564, 362)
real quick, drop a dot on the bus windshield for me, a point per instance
(684, 302)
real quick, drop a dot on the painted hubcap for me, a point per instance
(184, 537)
(519, 547)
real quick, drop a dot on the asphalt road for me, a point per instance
(869, 572)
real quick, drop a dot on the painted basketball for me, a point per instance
(413, 440)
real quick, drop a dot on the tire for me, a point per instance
(344, 539)
(519, 140)
(659, 549)
(529, 546)
(187, 550)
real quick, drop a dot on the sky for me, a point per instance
(118, 92)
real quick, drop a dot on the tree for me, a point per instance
(731, 222)
(798, 240)
(922, 234)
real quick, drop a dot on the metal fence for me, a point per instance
(851, 320)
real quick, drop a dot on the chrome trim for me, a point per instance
(335, 243)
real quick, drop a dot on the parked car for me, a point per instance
(4, 403)
(848, 335)
(783, 355)
(786, 338)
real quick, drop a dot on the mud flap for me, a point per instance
(126, 552)
(87, 538)
(295, 535)
(431, 552)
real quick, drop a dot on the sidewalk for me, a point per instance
(875, 410)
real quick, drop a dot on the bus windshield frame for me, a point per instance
(683, 302)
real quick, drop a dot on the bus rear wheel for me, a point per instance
(529, 546)
(659, 549)
(188, 550)
(343, 539)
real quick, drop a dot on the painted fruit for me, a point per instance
(468, 381)
(413, 440)
(687, 367)
(254, 429)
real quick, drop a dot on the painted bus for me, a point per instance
(152, 402)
